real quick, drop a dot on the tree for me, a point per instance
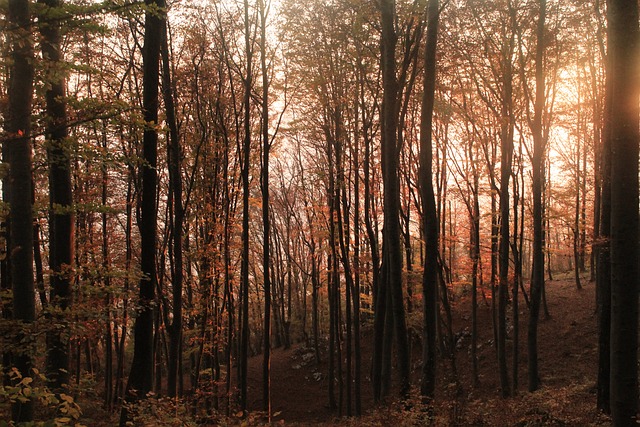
(141, 376)
(429, 211)
(391, 274)
(244, 269)
(537, 280)
(266, 224)
(623, 42)
(17, 148)
(506, 157)
(61, 221)
(177, 220)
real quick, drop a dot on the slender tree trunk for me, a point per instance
(244, 268)
(37, 257)
(175, 184)
(537, 280)
(515, 349)
(108, 369)
(356, 268)
(576, 221)
(506, 154)
(429, 213)
(475, 275)
(506, 150)
(390, 159)
(141, 375)
(266, 363)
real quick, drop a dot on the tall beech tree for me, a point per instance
(623, 43)
(263, 7)
(537, 279)
(390, 293)
(507, 123)
(61, 220)
(244, 165)
(177, 219)
(17, 149)
(141, 375)
(429, 209)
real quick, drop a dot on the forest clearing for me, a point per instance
(342, 212)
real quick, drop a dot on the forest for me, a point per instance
(337, 212)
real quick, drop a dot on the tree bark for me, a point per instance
(537, 279)
(390, 158)
(61, 228)
(141, 375)
(177, 220)
(244, 268)
(623, 43)
(506, 156)
(17, 148)
(429, 210)
(266, 225)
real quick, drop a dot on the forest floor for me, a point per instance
(567, 364)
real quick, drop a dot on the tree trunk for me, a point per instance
(603, 274)
(538, 162)
(429, 214)
(61, 230)
(108, 369)
(266, 362)
(175, 185)
(17, 147)
(356, 269)
(141, 375)
(244, 268)
(623, 40)
(475, 275)
(506, 155)
(390, 159)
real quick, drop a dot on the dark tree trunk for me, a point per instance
(576, 221)
(515, 307)
(392, 247)
(356, 269)
(37, 256)
(244, 268)
(61, 230)
(342, 223)
(506, 156)
(603, 274)
(17, 148)
(537, 279)
(108, 339)
(141, 375)
(429, 210)
(623, 43)
(266, 362)
(475, 256)
(175, 185)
